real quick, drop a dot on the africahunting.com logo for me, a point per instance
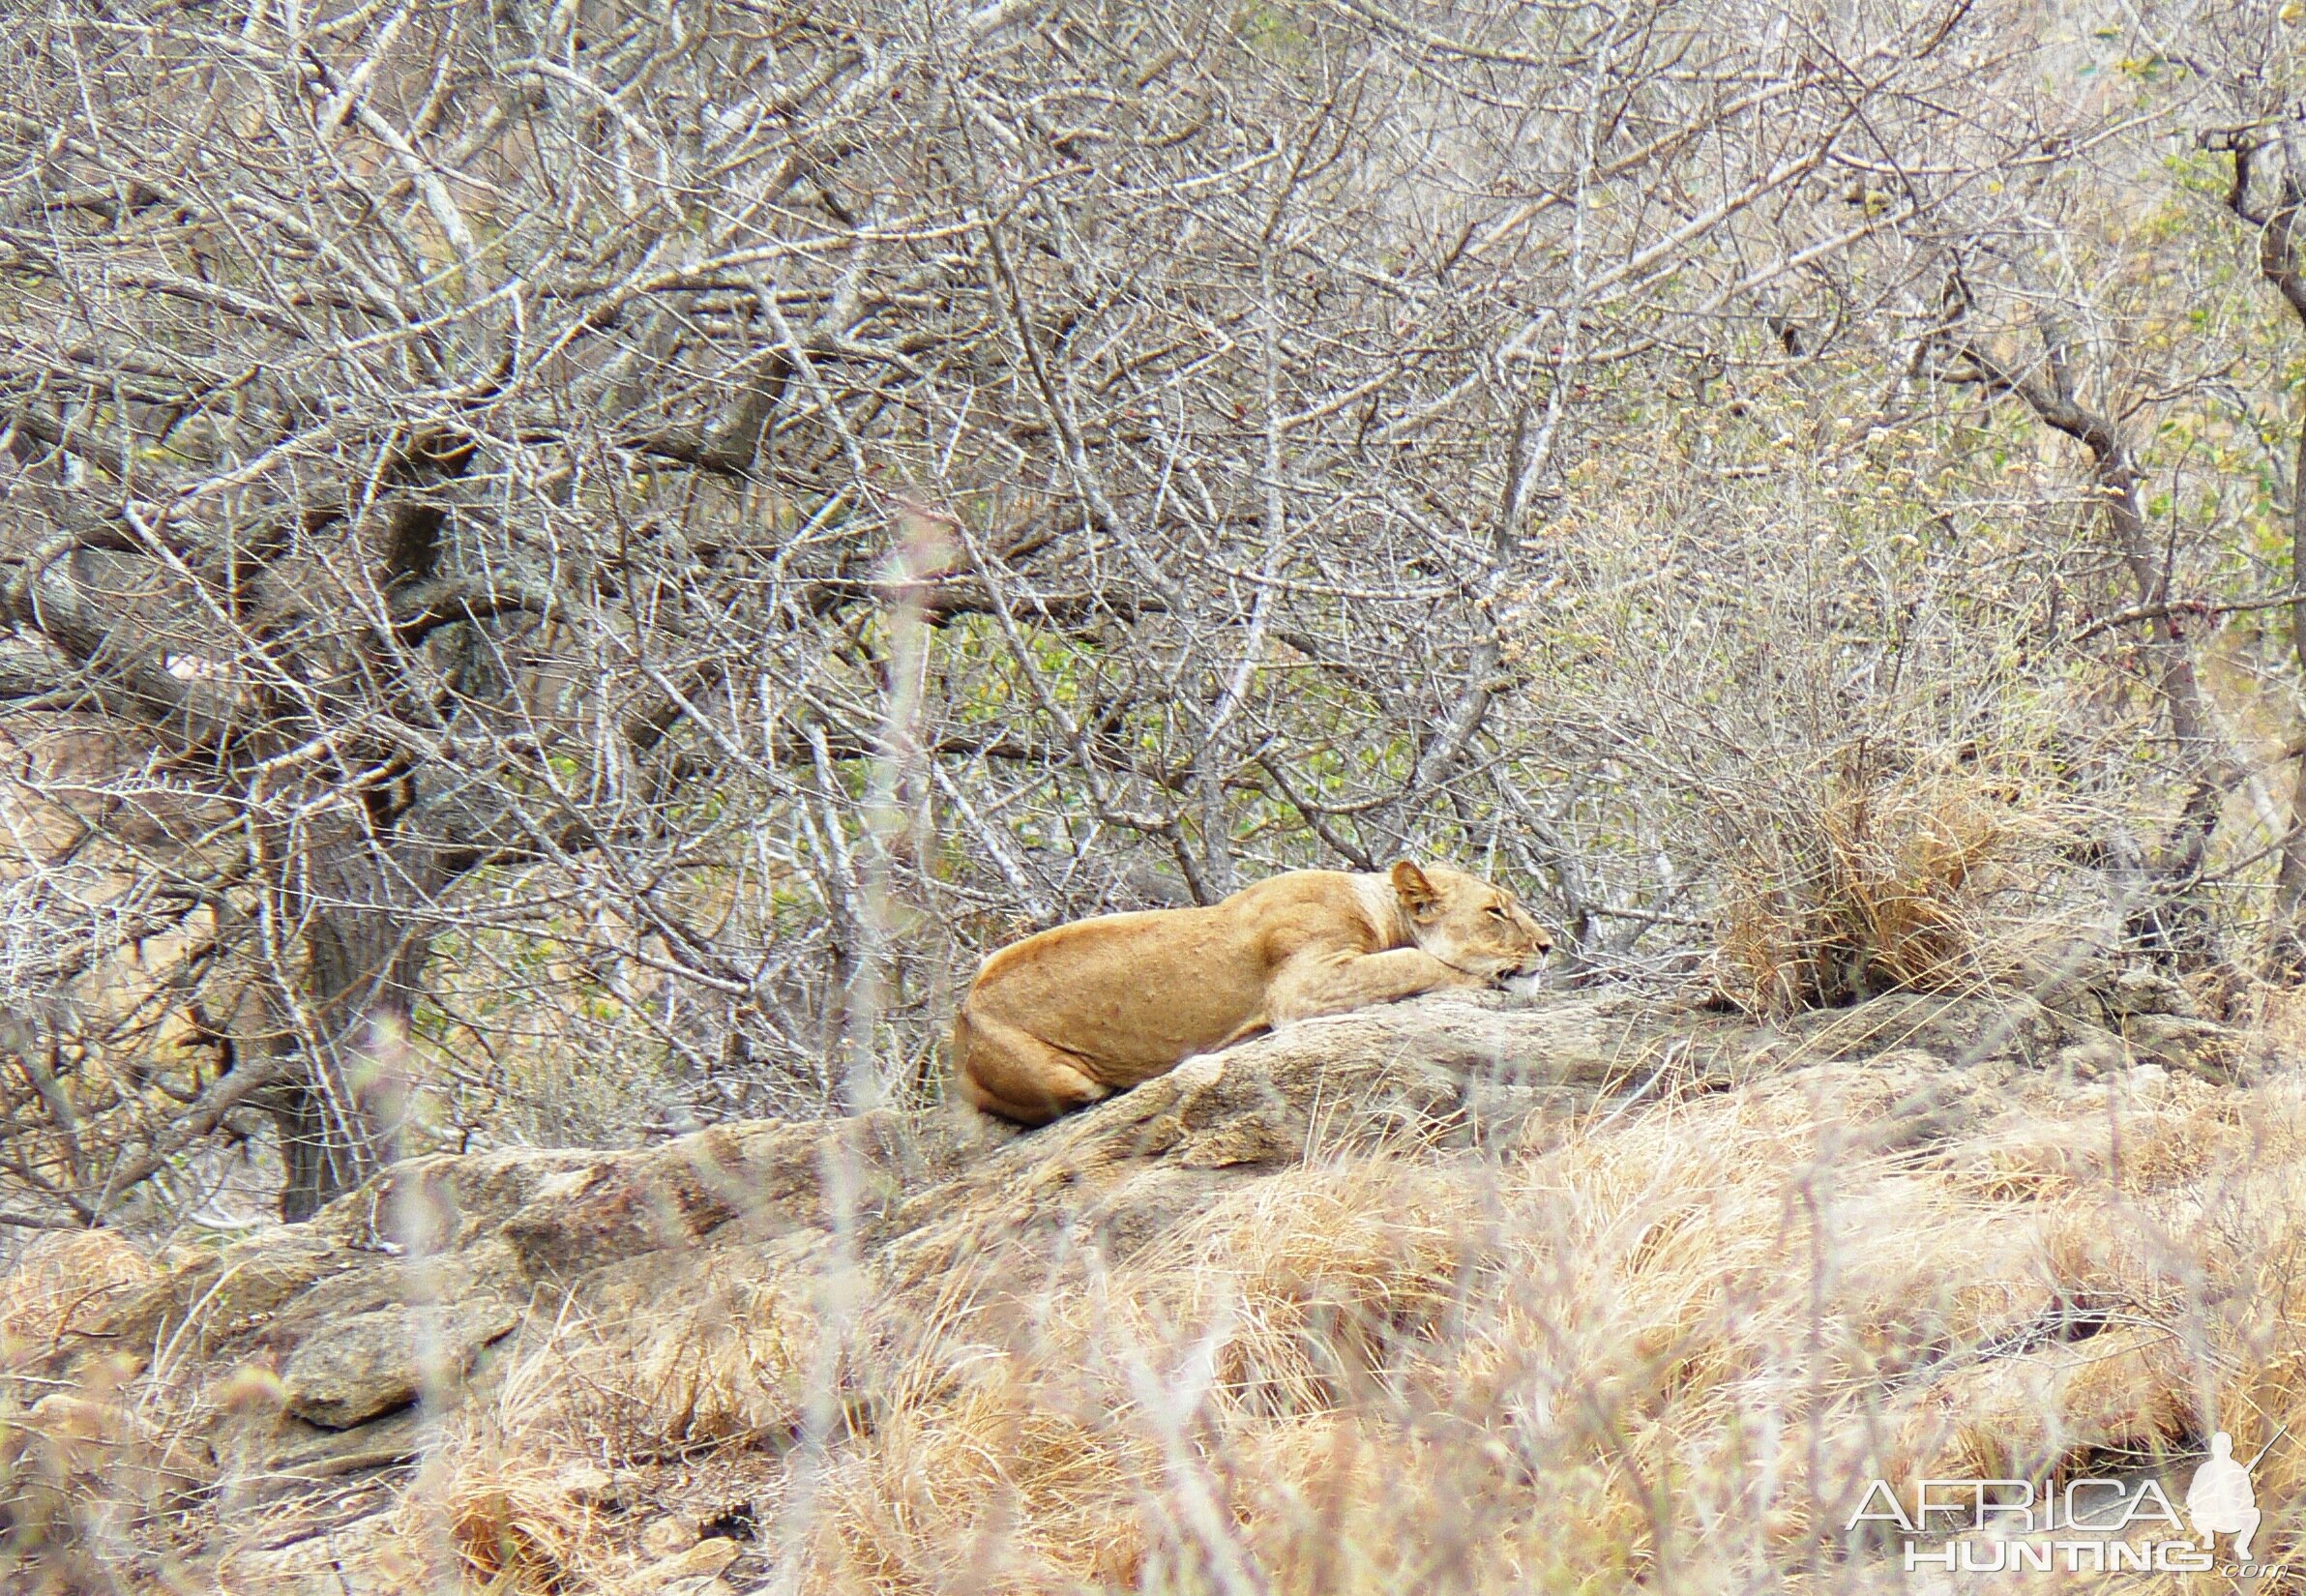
(2091, 1525)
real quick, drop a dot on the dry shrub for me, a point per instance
(1843, 882)
(1320, 1278)
(724, 1351)
(64, 1279)
(1015, 1485)
(512, 1512)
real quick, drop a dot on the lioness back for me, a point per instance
(1138, 992)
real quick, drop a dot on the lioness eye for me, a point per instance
(1498, 910)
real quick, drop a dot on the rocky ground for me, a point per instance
(1603, 1256)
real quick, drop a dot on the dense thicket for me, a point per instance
(567, 563)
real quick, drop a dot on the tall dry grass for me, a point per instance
(1669, 1350)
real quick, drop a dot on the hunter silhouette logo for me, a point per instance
(2222, 1501)
(2084, 1525)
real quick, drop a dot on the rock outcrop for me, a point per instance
(305, 1371)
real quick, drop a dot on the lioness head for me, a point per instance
(1467, 924)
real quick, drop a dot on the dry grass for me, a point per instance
(1669, 1349)
(1843, 881)
(1677, 1348)
(509, 1499)
(1702, 1332)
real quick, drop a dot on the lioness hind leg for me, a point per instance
(1010, 1072)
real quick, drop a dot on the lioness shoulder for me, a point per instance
(1080, 1011)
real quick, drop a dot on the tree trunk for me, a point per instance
(2278, 264)
(339, 1107)
(2171, 922)
(2285, 941)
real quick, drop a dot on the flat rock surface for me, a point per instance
(378, 1361)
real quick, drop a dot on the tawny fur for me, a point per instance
(1080, 1012)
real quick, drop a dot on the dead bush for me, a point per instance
(1845, 881)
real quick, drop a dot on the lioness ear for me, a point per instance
(1416, 893)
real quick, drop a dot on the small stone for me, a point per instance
(667, 1536)
(2093, 1060)
(695, 1571)
(2150, 991)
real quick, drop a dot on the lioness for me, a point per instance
(1080, 1012)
